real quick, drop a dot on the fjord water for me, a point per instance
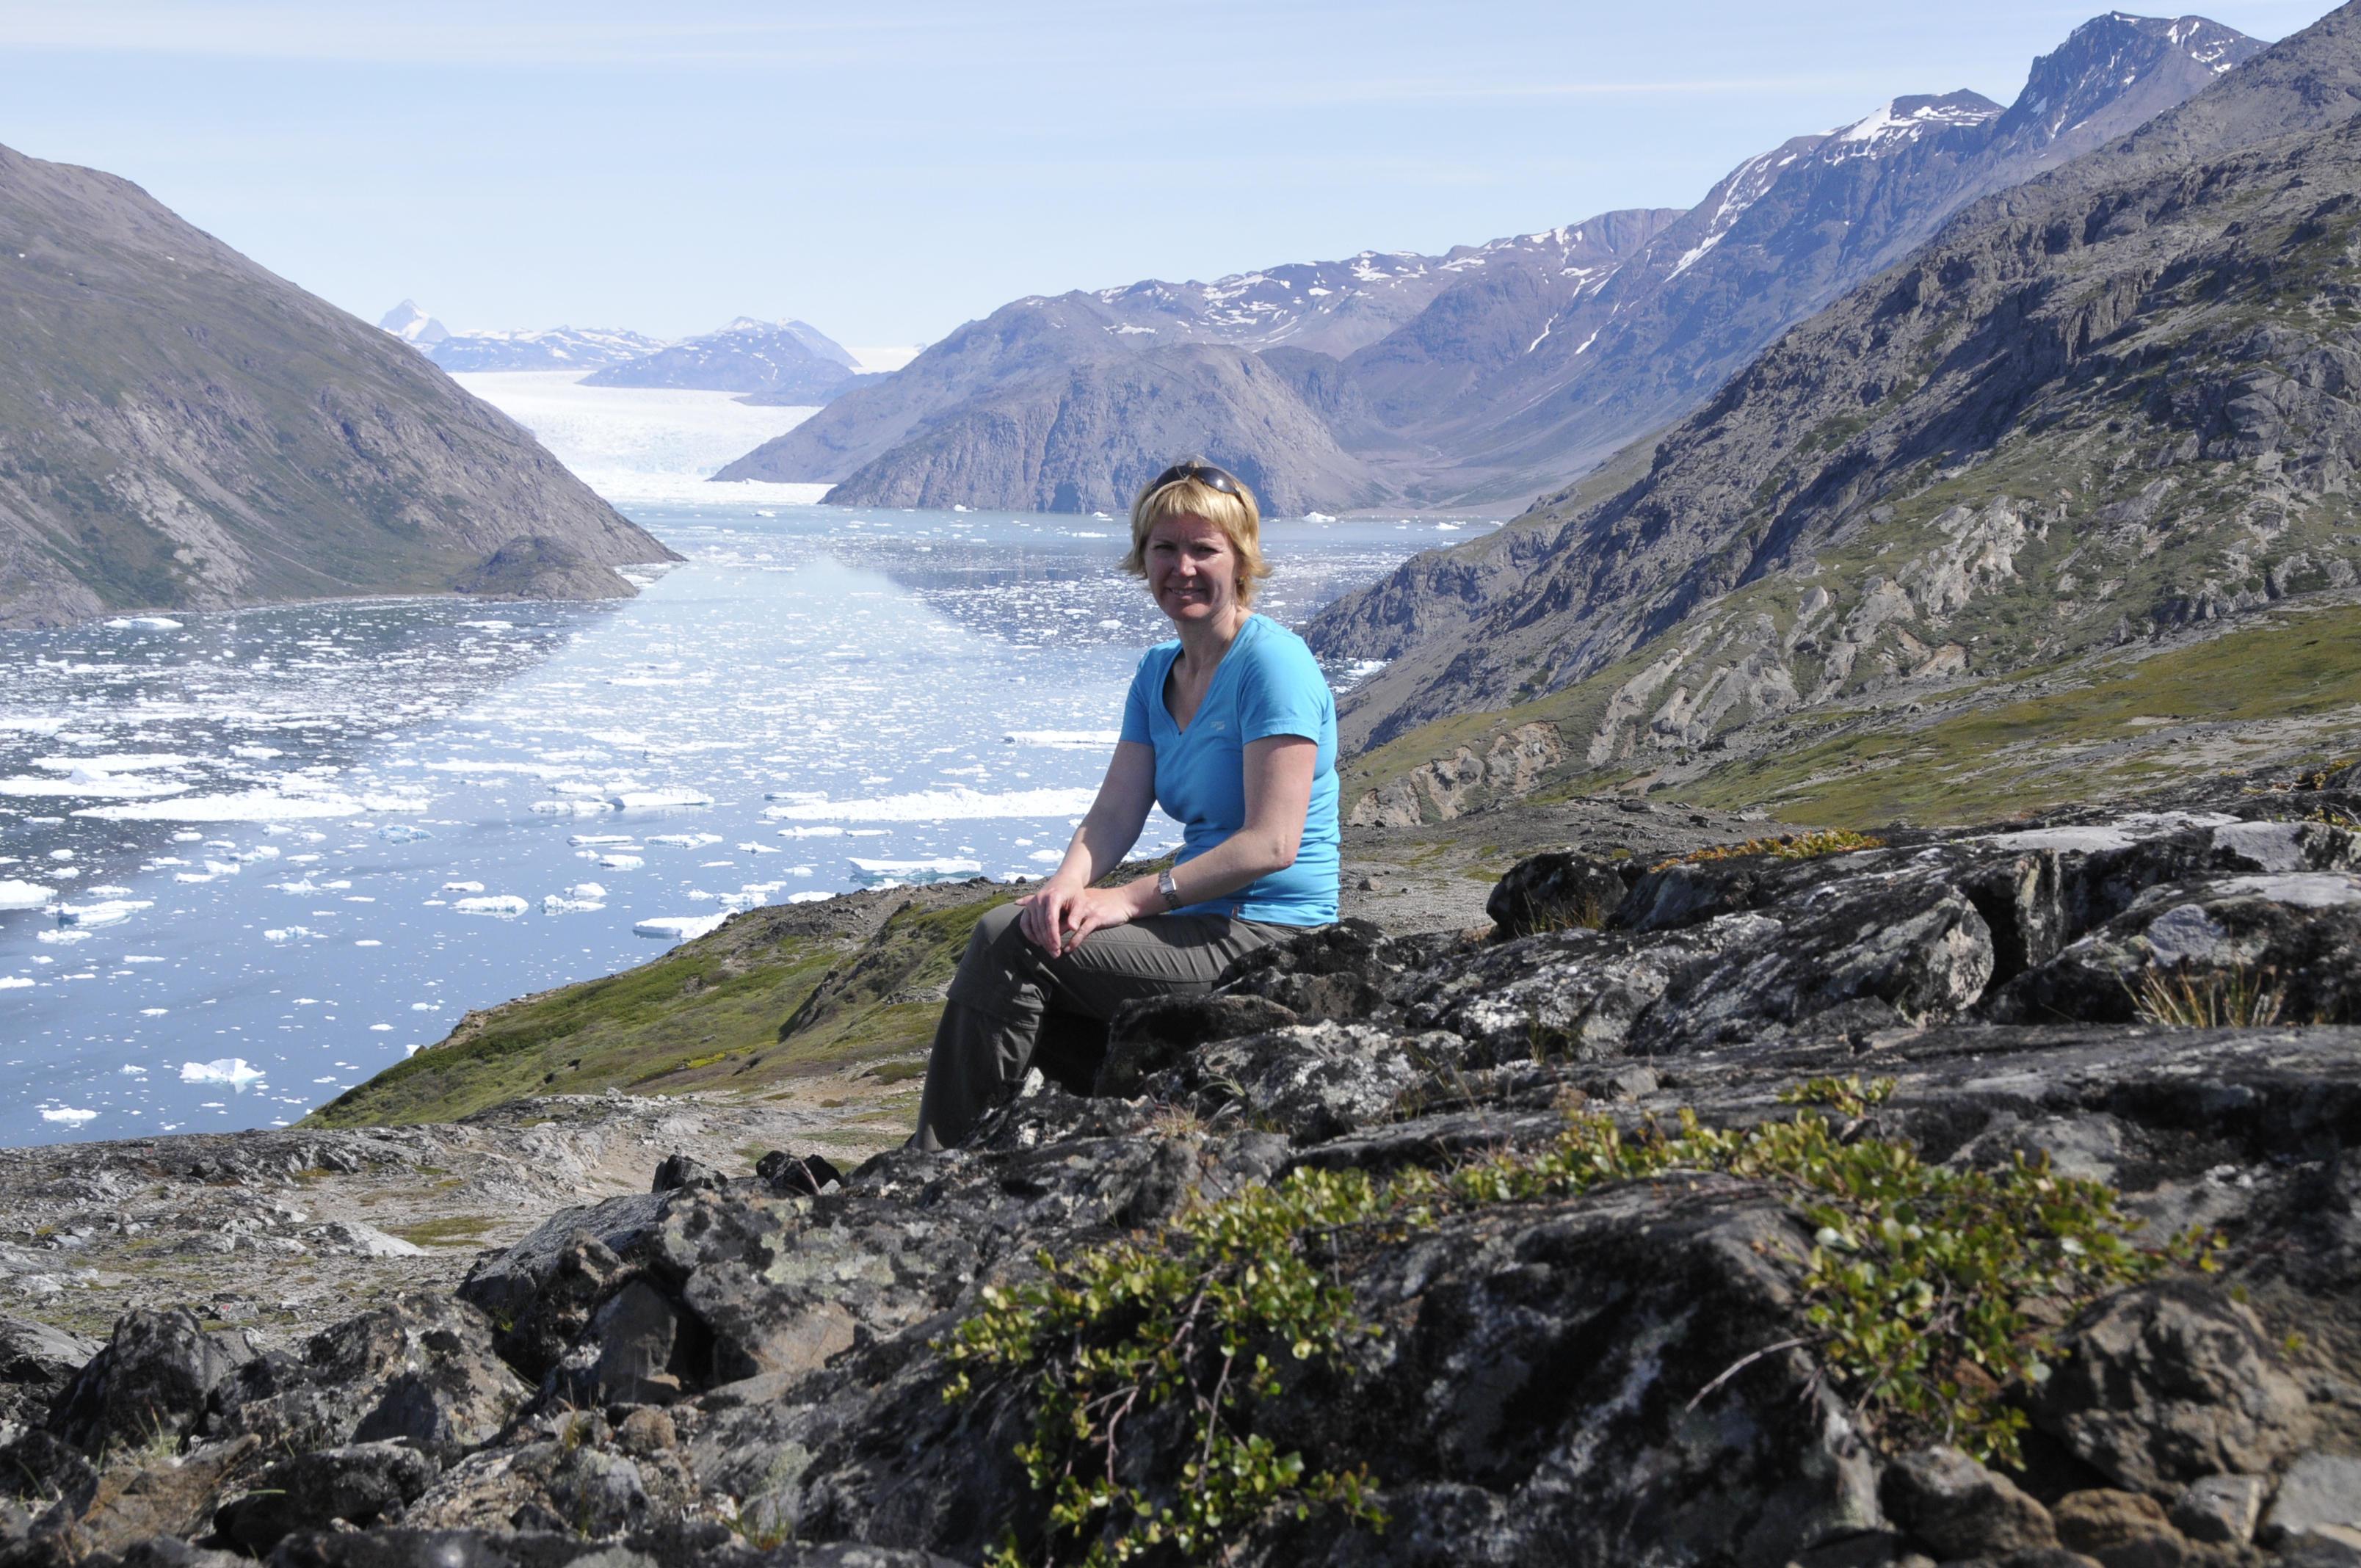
(302, 841)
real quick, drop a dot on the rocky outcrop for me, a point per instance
(1599, 1374)
(182, 430)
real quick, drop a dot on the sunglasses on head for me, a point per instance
(1205, 473)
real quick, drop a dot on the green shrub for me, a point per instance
(1927, 1297)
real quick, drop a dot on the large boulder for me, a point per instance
(1957, 1509)
(420, 1369)
(154, 1381)
(37, 1363)
(1561, 891)
(358, 1485)
(2171, 1383)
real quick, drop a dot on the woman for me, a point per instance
(1231, 729)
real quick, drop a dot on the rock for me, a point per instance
(811, 1174)
(2170, 1382)
(2221, 1509)
(2296, 932)
(1959, 1508)
(359, 1484)
(569, 1482)
(1872, 950)
(1148, 1036)
(1554, 892)
(340, 1237)
(2122, 1530)
(1312, 1081)
(42, 1467)
(169, 1497)
(546, 1286)
(37, 1363)
(420, 1369)
(680, 1172)
(644, 1431)
(2319, 1495)
(643, 1347)
(164, 1551)
(1332, 971)
(155, 1378)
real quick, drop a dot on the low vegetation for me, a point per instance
(1786, 846)
(1927, 1296)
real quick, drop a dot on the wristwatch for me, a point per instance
(1164, 885)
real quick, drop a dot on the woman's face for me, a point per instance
(1193, 569)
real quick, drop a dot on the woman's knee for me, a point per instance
(995, 929)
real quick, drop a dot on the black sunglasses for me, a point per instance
(1205, 473)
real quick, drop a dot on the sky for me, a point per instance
(889, 169)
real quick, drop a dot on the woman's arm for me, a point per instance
(1108, 831)
(1279, 771)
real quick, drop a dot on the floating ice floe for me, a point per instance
(143, 623)
(256, 753)
(14, 981)
(86, 782)
(658, 799)
(579, 840)
(811, 832)
(62, 937)
(253, 805)
(914, 871)
(23, 895)
(291, 934)
(797, 797)
(621, 862)
(1064, 740)
(461, 887)
(678, 928)
(684, 841)
(809, 897)
(403, 833)
(72, 1117)
(385, 803)
(305, 886)
(558, 904)
(109, 912)
(222, 1070)
(942, 805)
(501, 904)
(585, 889)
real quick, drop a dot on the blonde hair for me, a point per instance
(1238, 516)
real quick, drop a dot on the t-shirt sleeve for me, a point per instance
(1283, 694)
(1134, 703)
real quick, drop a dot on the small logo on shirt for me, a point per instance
(1219, 725)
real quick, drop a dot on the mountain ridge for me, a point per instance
(2098, 417)
(182, 429)
(1501, 370)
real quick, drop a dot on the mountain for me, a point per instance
(779, 360)
(2084, 460)
(546, 348)
(1501, 370)
(1031, 348)
(180, 429)
(412, 326)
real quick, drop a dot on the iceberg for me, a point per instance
(224, 1070)
(461, 887)
(403, 833)
(621, 862)
(581, 839)
(678, 928)
(658, 799)
(12, 981)
(143, 623)
(914, 871)
(943, 805)
(70, 1117)
(558, 904)
(501, 904)
(110, 912)
(22, 895)
(254, 805)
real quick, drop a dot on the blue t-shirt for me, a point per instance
(1267, 683)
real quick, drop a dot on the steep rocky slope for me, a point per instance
(1690, 1218)
(180, 429)
(1500, 370)
(2064, 448)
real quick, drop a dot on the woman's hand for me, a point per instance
(1061, 914)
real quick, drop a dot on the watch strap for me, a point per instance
(1170, 888)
